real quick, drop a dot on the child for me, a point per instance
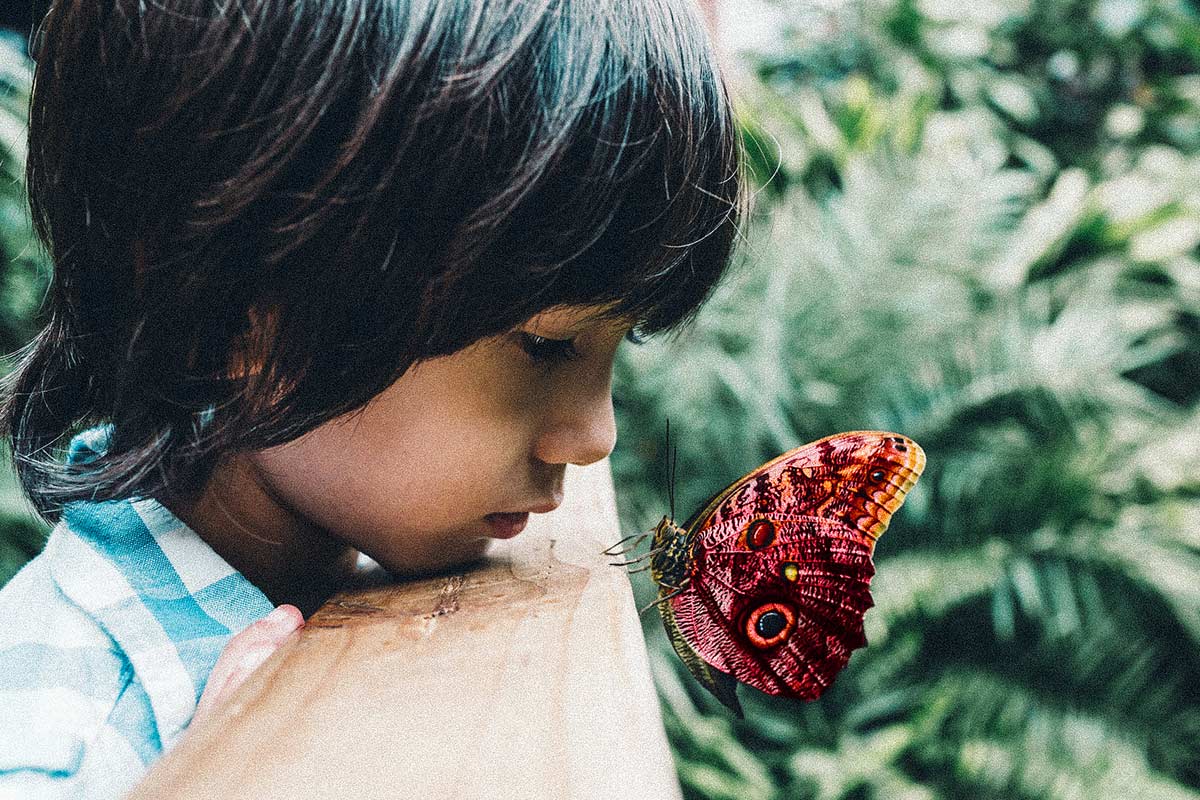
(330, 278)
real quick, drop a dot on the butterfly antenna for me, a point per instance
(674, 472)
(670, 473)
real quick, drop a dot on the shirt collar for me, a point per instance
(164, 596)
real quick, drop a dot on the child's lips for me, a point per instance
(506, 526)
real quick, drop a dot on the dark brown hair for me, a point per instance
(333, 191)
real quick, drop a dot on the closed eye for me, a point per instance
(547, 351)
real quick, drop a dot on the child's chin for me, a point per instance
(437, 555)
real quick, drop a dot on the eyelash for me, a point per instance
(547, 351)
(557, 351)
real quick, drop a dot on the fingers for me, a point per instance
(258, 641)
(244, 653)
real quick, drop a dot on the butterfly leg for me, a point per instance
(664, 598)
(638, 537)
(638, 560)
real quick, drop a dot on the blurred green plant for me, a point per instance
(23, 269)
(980, 229)
(962, 235)
(23, 279)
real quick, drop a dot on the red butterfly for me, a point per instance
(768, 583)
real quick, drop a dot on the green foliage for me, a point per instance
(961, 244)
(22, 533)
(977, 225)
(23, 269)
(23, 273)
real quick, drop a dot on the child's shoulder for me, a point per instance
(107, 639)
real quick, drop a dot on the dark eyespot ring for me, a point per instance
(770, 624)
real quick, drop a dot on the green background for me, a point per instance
(977, 225)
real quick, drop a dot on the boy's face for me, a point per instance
(410, 479)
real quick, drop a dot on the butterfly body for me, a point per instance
(768, 583)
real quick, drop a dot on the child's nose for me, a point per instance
(581, 432)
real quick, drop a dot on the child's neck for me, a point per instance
(290, 559)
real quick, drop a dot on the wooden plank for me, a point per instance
(525, 677)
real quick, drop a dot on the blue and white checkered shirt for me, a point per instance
(106, 642)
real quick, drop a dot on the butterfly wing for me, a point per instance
(784, 618)
(721, 684)
(780, 563)
(859, 477)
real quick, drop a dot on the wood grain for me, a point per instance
(525, 677)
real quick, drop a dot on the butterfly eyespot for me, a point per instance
(770, 624)
(759, 534)
(790, 571)
(877, 475)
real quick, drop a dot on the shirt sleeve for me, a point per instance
(32, 784)
(59, 743)
(74, 720)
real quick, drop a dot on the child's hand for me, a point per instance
(244, 653)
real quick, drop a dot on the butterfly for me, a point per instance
(768, 583)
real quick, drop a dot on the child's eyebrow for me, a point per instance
(576, 323)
